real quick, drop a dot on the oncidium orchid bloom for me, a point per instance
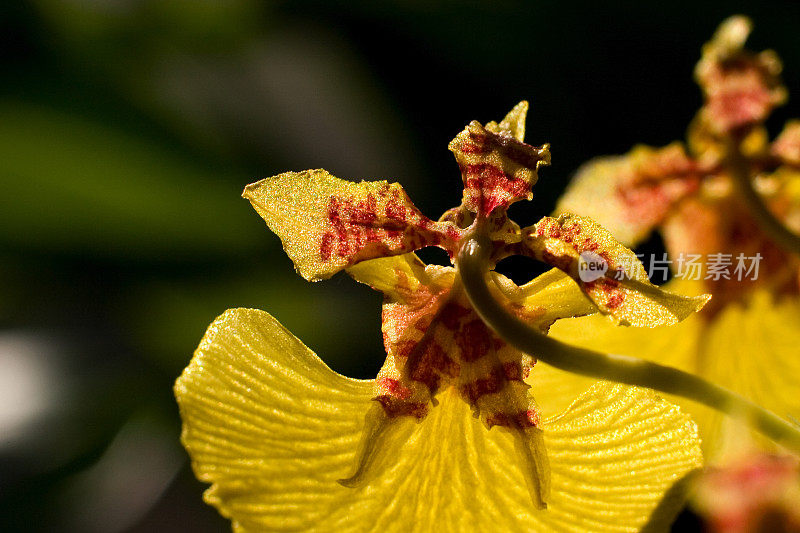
(448, 436)
(732, 194)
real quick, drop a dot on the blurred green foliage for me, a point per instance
(78, 186)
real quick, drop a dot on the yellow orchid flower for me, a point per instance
(730, 194)
(448, 436)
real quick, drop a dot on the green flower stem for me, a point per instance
(738, 168)
(472, 264)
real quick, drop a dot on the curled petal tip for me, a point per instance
(544, 153)
(702, 300)
(351, 482)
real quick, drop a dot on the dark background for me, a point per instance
(129, 128)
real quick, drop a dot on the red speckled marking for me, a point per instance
(349, 219)
(520, 420)
(739, 94)
(429, 363)
(615, 296)
(452, 314)
(394, 388)
(513, 371)
(548, 227)
(388, 221)
(653, 181)
(494, 382)
(475, 340)
(395, 407)
(435, 340)
(615, 300)
(326, 246)
(403, 349)
(491, 186)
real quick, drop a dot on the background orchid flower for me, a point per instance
(700, 198)
(755, 492)
(448, 436)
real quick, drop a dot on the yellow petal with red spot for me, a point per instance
(497, 169)
(327, 224)
(273, 429)
(607, 272)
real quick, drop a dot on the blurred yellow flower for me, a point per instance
(747, 339)
(273, 429)
(756, 493)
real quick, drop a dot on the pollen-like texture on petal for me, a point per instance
(327, 223)
(608, 273)
(497, 168)
(273, 429)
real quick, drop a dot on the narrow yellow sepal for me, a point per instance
(608, 273)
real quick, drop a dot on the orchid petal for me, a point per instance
(753, 350)
(272, 429)
(327, 224)
(623, 292)
(750, 349)
(675, 346)
(497, 169)
(266, 422)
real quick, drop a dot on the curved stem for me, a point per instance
(472, 261)
(774, 228)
